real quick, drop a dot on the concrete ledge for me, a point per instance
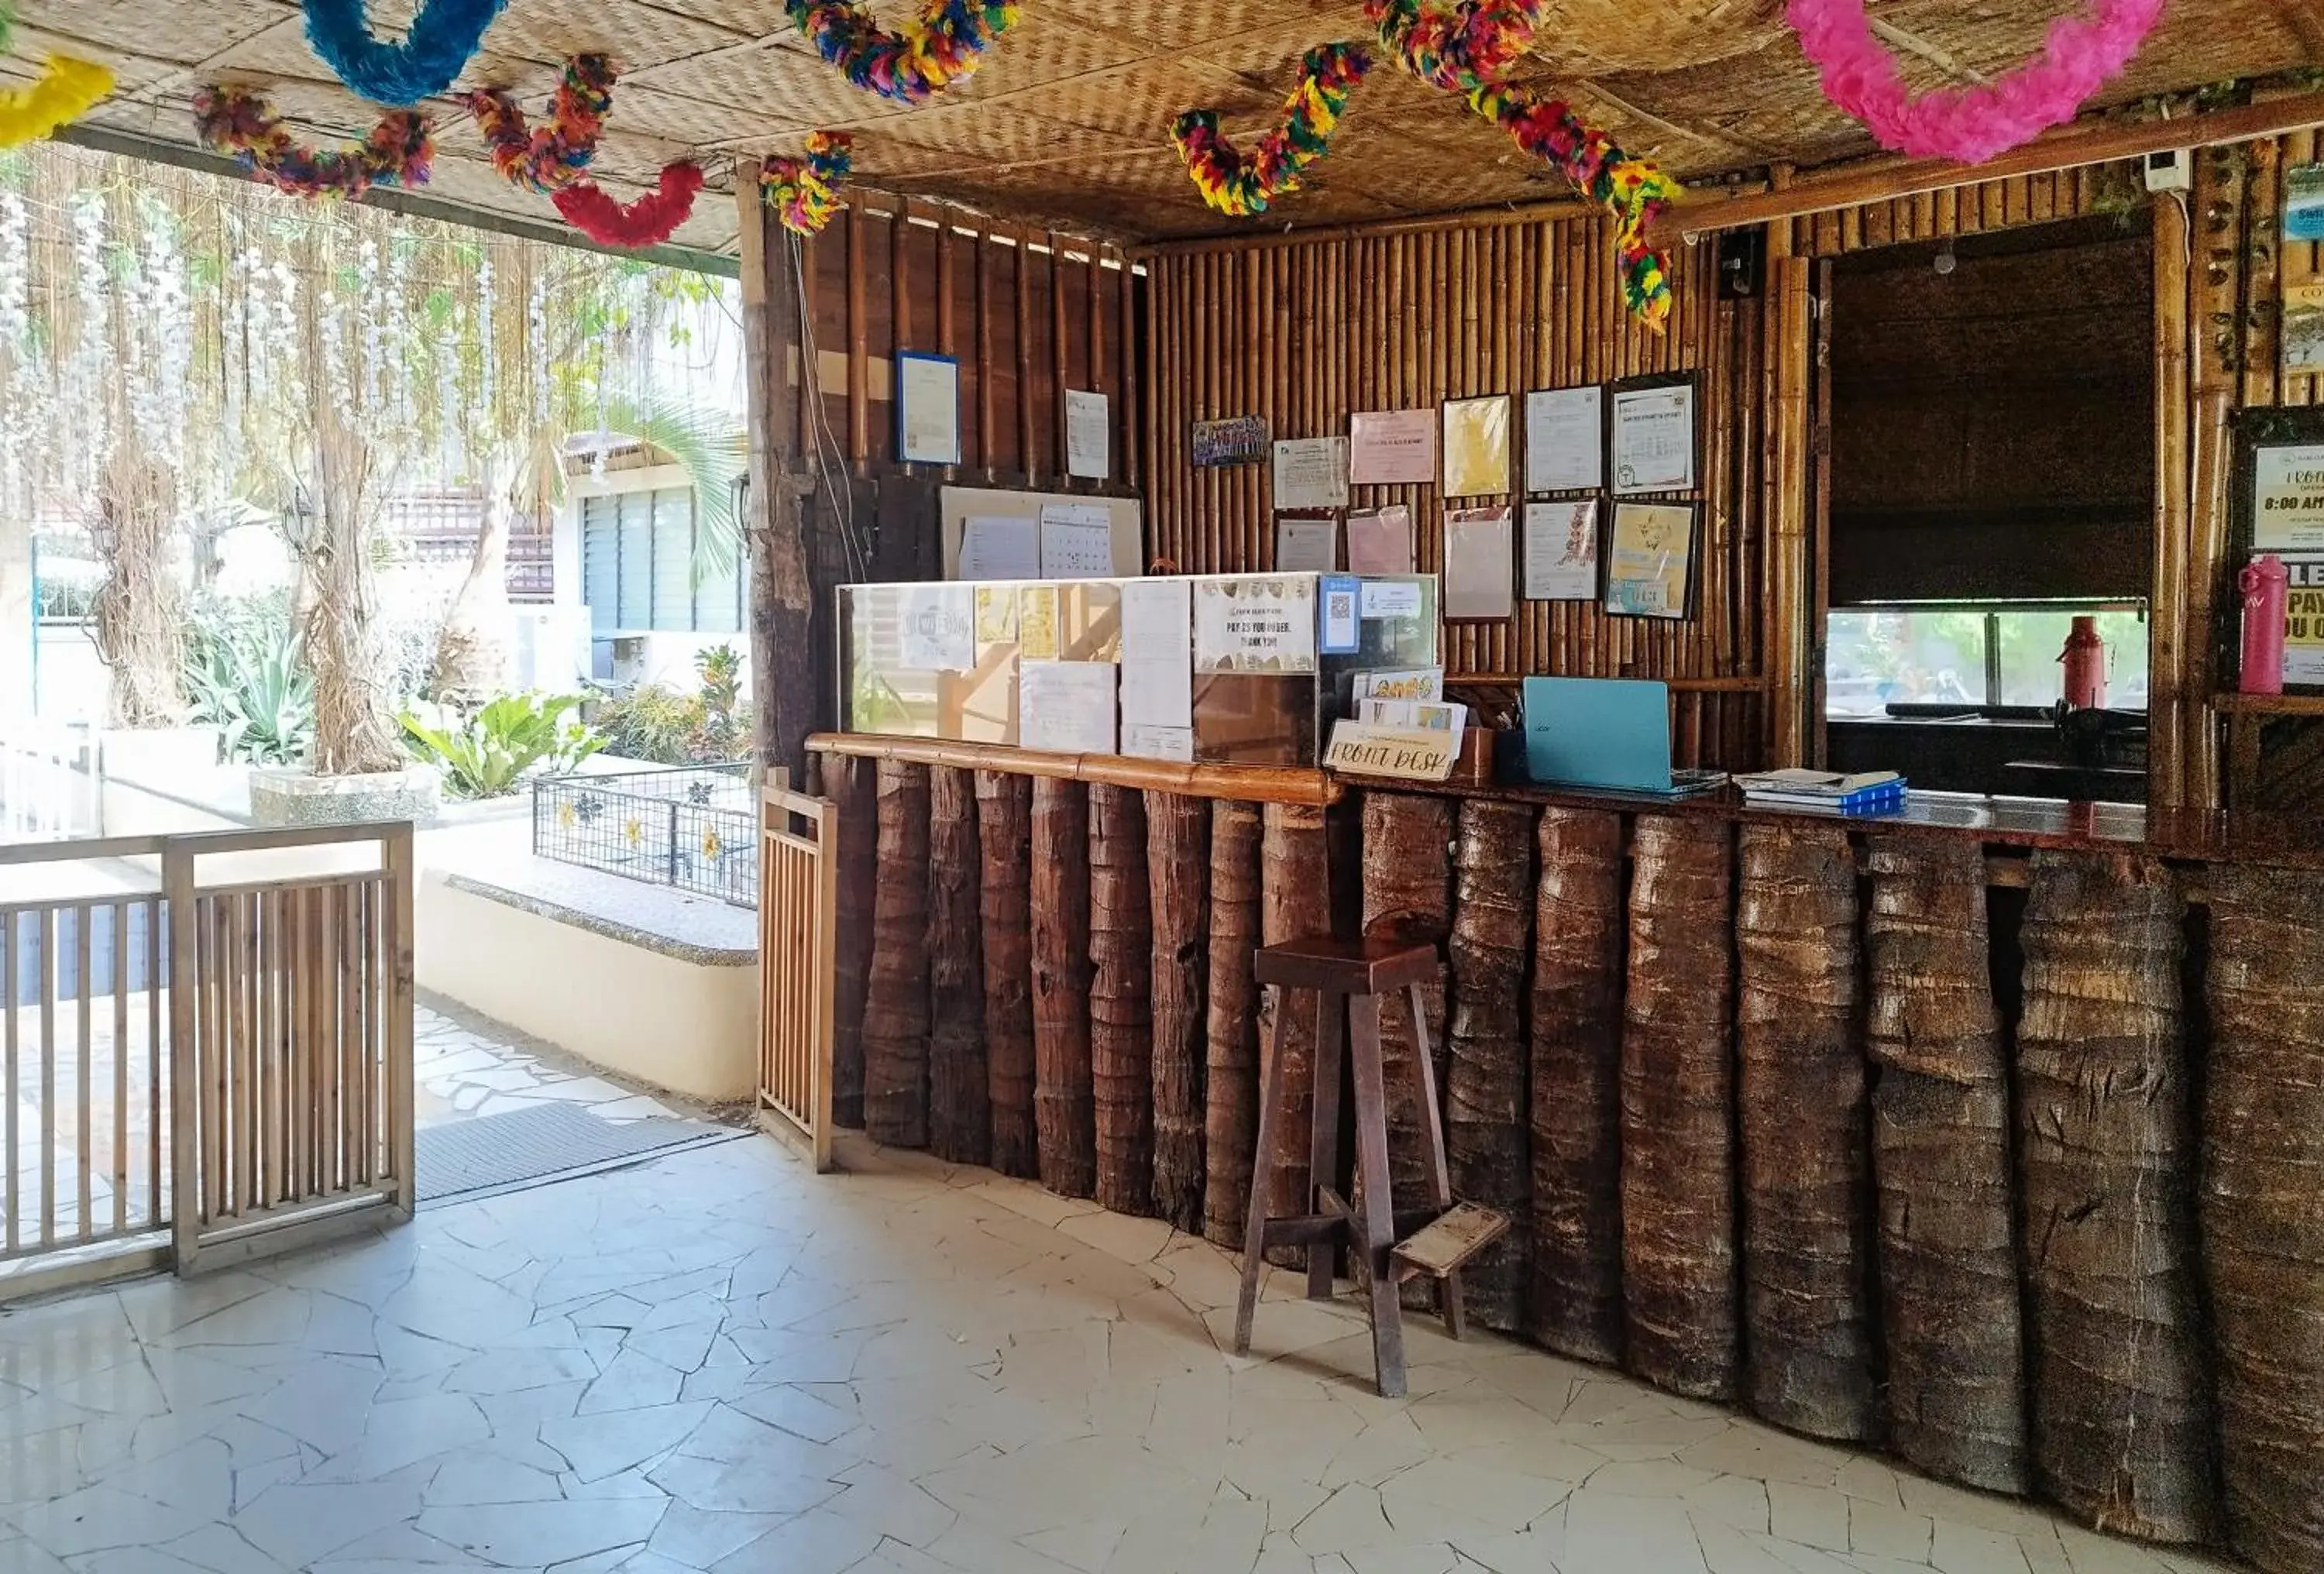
(669, 1012)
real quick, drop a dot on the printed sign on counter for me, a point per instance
(1157, 681)
(1258, 623)
(1411, 754)
(937, 625)
(2288, 500)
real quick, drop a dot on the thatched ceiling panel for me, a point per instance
(1067, 121)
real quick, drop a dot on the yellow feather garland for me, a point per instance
(68, 89)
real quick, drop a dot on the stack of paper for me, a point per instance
(1825, 792)
(1429, 716)
(1402, 682)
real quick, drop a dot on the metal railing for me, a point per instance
(696, 828)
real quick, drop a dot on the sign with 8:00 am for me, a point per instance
(2288, 500)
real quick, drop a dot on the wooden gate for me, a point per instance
(799, 904)
(291, 1005)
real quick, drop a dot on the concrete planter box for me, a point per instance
(299, 798)
(156, 756)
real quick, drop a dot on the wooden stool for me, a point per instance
(1358, 973)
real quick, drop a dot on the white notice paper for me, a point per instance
(1076, 541)
(1157, 656)
(1390, 598)
(1144, 742)
(928, 409)
(1066, 707)
(1311, 473)
(1654, 440)
(1561, 551)
(938, 628)
(1307, 546)
(1000, 549)
(1088, 435)
(1566, 439)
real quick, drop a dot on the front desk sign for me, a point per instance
(1412, 754)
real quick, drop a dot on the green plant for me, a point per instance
(652, 723)
(720, 735)
(484, 756)
(247, 679)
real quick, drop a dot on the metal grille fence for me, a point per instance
(696, 828)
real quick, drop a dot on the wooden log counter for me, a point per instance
(1991, 1132)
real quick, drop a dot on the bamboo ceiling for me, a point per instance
(1066, 123)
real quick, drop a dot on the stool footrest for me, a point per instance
(1458, 1234)
(1302, 1229)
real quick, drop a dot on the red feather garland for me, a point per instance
(649, 221)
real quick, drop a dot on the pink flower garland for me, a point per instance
(1967, 124)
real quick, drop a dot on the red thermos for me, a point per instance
(2263, 584)
(2085, 661)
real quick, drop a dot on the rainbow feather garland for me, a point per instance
(803, 193)
(1465, 53)
(938, 49)
(68, 89)
(440, 43)
(548, 158)
(1241, 185)
(235, 120)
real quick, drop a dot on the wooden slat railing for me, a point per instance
(798, 931)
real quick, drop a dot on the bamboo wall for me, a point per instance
(1309, 331)
(1638, 1109)
(1027, 313)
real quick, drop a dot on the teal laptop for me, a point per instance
(1610, 733)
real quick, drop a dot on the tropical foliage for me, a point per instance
(485, 755)
(246, 679)
(655, 723)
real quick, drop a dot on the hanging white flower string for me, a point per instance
(20, 391)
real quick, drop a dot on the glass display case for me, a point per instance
(1232, 668)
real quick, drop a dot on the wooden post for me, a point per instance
(1230, 1086)
(1063, 1109)
(1121, 1030)
(2263, 1232)
(1004, 811)
(1940, 1158)
(2122, 1398)
(1790, 585)
(1177, 868)
(896, 1004)
(783, 690)
(1574, 1303)
(853, 786)
(1678, 1116)
(1295, 900)
(1487, 1119)
(1806, 1160)
(960, 1093)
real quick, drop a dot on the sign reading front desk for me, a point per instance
(1410, 753)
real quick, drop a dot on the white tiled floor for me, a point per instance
(717, 1362)
(466, 1066)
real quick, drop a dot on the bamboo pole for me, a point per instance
(1063, 1109)
(1679, 1287)
(1121, 965)
(1574, 1303)
(1004, 806)
(896, 1004)
(1231, 1087)
(960, 1092)
(1177, 865)
(2122, 1400)
(1806, 1166)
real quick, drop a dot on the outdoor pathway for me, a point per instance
(719, 1362)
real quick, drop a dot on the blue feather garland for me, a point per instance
(441, 39)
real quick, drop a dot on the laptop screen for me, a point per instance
(1597, 731)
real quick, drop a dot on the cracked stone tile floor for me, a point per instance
(717, 1362)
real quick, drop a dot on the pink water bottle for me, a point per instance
(2084, 658)
(2263, 585)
